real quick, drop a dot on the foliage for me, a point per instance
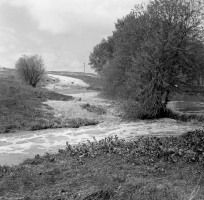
(158, 49)
(132, 109)
(147, 168)
(167, 57)
(30, 69)
(101, 54)
(147, 150)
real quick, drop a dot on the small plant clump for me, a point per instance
(147, 150)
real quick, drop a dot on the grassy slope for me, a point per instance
(146, 169)
(22, 108)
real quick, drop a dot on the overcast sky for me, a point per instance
(63, 32)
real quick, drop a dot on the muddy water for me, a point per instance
(16, 147)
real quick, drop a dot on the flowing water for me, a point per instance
(15, 147)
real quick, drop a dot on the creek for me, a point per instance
(16, 147)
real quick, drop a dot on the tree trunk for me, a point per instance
(166, 100)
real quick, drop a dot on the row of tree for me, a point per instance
(154, 50)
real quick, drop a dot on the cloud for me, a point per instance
(62, 31)
(7, 35)
(8, 44)
(63, 16)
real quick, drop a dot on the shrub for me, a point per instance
(131, 109)
(146, 150)
(30, 69)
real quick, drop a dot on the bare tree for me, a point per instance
(30, 69)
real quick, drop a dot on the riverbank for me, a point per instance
(22, 107)
(151, 159)
(112, 169)
(85, 108)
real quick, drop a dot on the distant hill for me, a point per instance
(66, 73)
(6, 71)
(93, 80)
(3, 68)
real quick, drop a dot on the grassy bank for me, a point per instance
(146, 169)
(22, 108)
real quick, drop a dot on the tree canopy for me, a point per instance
(30, 69)
(155, 50)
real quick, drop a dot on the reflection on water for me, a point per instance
(187, 107)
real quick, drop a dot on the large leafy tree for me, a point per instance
(157, 49)
(101, 54)
(168, 57)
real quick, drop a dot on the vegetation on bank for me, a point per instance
(22, 108)
(155, 50)
(148, 168)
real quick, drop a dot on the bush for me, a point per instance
(131, 109)
(30, 69)
(136, 110)
(146, 150)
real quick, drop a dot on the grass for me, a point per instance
(145, 169)
(22, 108)
(148, 168)
(92, 108)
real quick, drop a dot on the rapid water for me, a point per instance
(16, 147)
